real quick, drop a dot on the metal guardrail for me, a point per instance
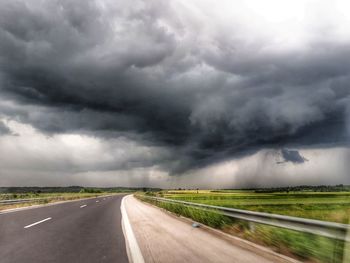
(316, 227)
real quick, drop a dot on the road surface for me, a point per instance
(82, 231)
(164, 238)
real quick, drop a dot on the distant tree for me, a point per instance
(90, 190)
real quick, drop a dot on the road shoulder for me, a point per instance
(163, 237)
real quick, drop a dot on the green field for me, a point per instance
(328, 206)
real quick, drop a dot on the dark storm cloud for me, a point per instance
(143, 69)
(292, 156)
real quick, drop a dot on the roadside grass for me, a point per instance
(48, 198)
(303, 246)
(210, 218)
(327, 206)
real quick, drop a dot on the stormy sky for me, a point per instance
(194, 93)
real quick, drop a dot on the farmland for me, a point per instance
(327, 206)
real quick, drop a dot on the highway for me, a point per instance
(81, 231)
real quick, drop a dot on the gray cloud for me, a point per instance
(158, 74)
(4, 129)
(292, 156)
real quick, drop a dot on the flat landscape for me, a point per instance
(28, 196)
(327, 206)
(329, 203)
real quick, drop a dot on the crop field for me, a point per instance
(328, 206)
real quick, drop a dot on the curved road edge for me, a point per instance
(133, 249)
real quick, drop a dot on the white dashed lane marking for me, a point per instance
(39, 222)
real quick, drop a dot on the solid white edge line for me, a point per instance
(135, 255)
(36, 223)
(82, 206)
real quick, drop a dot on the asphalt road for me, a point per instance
(82, 231)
